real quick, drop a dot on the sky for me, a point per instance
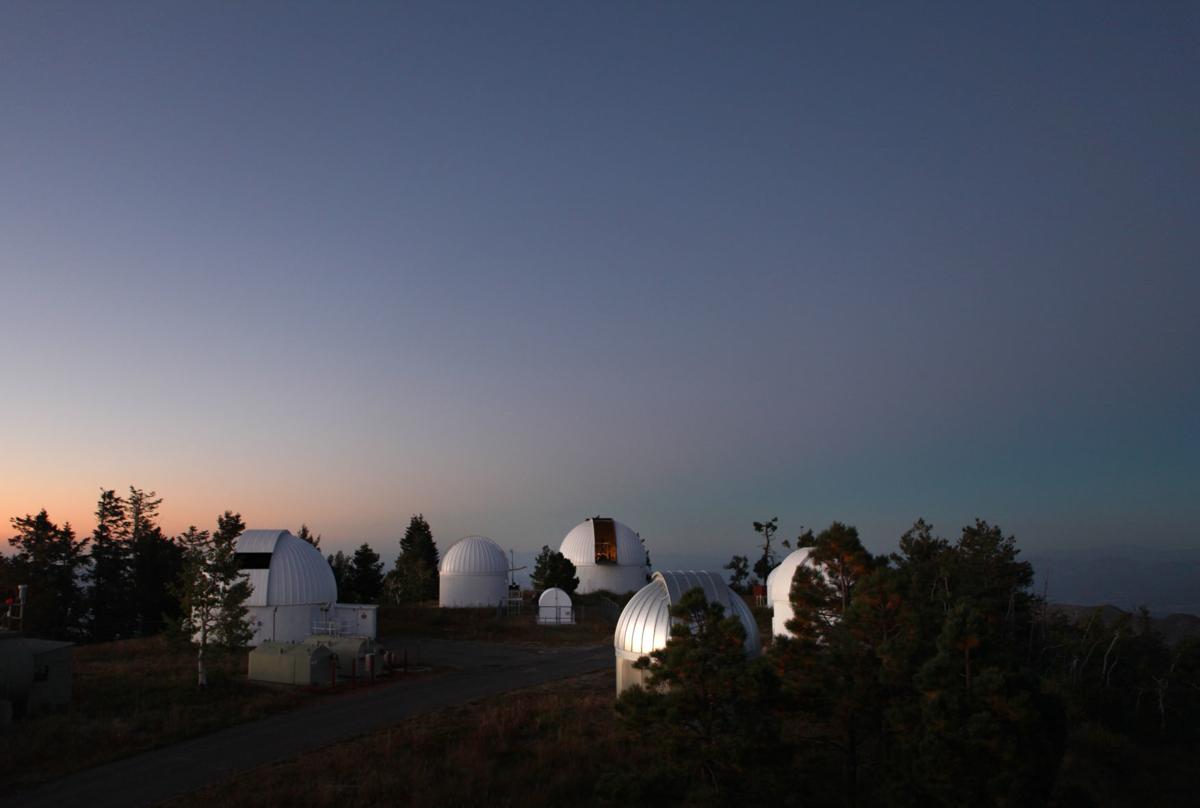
(690, 265)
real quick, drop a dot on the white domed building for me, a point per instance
(607, 555)
(779, 588)
(554, 608)
(645, 623)
(473, 573)
(293, 590)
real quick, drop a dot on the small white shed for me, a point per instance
(554, 608)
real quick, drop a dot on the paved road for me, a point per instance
(480, 669)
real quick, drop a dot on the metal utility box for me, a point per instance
(354, 654)
(34, 674)
(51, 674)
(293, 664)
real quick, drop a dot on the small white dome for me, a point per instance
(554, 597)
(779, 582)
(284, 570)
(580, 544)
(645, 623)
(475, 555)
(554, 608)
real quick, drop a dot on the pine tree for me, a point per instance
(366, 575)
(706, 709)
(112, 570)
(552, 569)
(415, 575)
(739, 573)
(157, 562)
(768, 562)
(49, 560)
(339, 562)
(307, 535)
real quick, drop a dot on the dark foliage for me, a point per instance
(49, 560)
(552, 569)
(157, 563)
(110, 597)
(707, 709)
(415, 575)
(339, 562)
(739, 573)
(364, 578)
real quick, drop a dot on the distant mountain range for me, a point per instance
(1166, 582)
(1173, 627)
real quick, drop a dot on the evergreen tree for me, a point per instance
(415, 574)
(339, 562)
(307, 535)
(49, 559)
(112, 613)
(768, 562)
(365, 575)
(213, 591)
(156, 562)
(706, 710)
(739, 573)
(552, 569)
(829, 673)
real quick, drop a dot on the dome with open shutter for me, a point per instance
(608, 555)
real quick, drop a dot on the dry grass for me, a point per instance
(427, 620)
(543, 746)
(133, 695)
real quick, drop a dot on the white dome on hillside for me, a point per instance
(645, 623)
(474, 555)
(474, 573)
(284, 570)
(607, 554)
(779, 582)
(779, 587)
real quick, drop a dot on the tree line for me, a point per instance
(931, 675)
(128, 578)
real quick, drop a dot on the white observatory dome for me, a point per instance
(607, 554)
(474, 572)
(645, 623)
(779, 588)
(474, 555)
(284, 570)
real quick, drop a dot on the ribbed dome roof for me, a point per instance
(580, 544)
(779, 582)
(475, 555)
(296, 574)
(645, 623)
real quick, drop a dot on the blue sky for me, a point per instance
(689, 265)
